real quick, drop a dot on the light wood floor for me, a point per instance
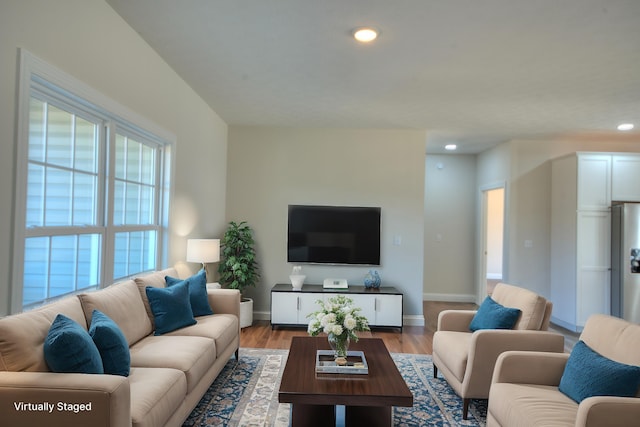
(413, 339)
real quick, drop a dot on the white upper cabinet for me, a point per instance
(594, 181)
(625, 185)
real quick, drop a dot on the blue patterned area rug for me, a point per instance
(246, 394)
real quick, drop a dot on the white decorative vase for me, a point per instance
(297, 280)
(246, 312)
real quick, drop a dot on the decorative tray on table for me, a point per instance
(355, 363)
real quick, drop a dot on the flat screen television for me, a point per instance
(333, 235)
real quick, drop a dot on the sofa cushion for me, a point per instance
(22, 335)
(111, 343)
(531, 405)
(122, 303)
(171, 307)
(222, 328)
(191, 355)
(69, 348)
(156, 394)
(156, 280)
(491, 315)
(456, 346)
(197, 292)
(532, 305)
(588, 373)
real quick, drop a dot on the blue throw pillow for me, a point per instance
(69, 348)
(588, 373)
(197, 292)
(492, 315)
(171, 307)
(111, 343)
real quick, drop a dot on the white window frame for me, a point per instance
(36, 72)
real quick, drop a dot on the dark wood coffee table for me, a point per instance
(368, 399)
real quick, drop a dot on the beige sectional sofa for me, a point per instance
(169, 373)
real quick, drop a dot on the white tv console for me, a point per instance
(381, 306)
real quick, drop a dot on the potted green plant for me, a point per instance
(238, 267)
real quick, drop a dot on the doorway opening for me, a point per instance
(493, 238)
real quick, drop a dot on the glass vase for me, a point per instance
(339, 344)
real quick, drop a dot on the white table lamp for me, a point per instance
(203, 251)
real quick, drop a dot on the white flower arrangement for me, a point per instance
(337, 316)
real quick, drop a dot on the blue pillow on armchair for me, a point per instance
(197, 292)
(588, 373)
(492, 315)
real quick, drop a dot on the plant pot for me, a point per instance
(246, 312)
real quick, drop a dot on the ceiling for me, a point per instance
(471, 72)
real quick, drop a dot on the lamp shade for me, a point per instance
(203, 250)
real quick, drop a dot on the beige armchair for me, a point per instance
(525, 392)
(466, 359)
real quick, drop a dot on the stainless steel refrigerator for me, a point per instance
(625, 261)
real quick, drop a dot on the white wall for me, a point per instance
(89, 41)
(449, 228)
(270, 168)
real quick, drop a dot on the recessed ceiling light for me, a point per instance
(451, 147)
(625, 126)
(365, 34)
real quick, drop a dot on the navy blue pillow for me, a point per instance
(588, 373)
(69, 348)
(111, 343)
(197, 292)
(492, 315)
(171, 307)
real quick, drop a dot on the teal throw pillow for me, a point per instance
(197, 292)
(588, 373)
(491, 315)
(69, 348)
(171, 307)
(111, 343)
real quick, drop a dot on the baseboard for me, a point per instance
(413, 320)
(449, 297)
(262, 315)
(566, 325)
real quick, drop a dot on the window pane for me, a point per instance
(120, 156)
(134, 253)
(57, 265)
(36, 270)
(62, 273)
(35, 196)
(146, 205)
(59, 137)
(58, 197)
(133, 160)
(36, 130)
(118, 202)
(89, 260)
(148, 165)
(84, 199)
(132, 207)
(86, 146)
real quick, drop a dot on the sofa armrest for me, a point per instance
(224, 301)
(53, 399)
(608, 411)
(530, 367)
(455, 320)
(487, 344)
